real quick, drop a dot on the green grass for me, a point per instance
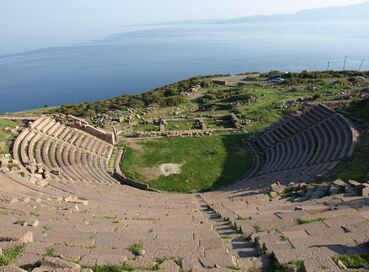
(357, 168)
(50, 252)
(207, 162)
(359, 110)
(111, 268)
(218, 125)
(226, 237)
(275, 266)
(354, 261)
(179, 125)
(135, 249)
(265, 110)
(10, 255)
(146, 127)
(257, 228)
(5, 136)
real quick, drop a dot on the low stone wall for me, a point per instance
(127, 181)
(335, 104)
(118, 175)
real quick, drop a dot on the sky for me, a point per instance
(29, 24)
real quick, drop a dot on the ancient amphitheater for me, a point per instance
(68, 211)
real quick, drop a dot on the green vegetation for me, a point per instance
(10, 255)
(359, 111)
(353, 261)
(257, 100)
(302, 221)
(226, 237)
(206, 162)
(50, 252)
(117, 268)
(6, 137)
(275, 266)
(257, 228)
(135, 249)
(357, 168)
(233, 267)
(167, 96)
(179, 125)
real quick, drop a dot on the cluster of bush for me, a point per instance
(305, 77)
(167, 96)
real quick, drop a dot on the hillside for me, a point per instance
(226, 111)
(351, 12)
(259, 174)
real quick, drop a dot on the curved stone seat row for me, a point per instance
(78, 156)
(304, 142)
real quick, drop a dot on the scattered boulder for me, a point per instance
(141, 252)
(354, 183)
(169, 266)
(33, 223)
(4, 161)
(341, 265)
(141, 263)
(54, 264)
(277, 187)
(334, 190)
(42, 183)
(339, 182)
(76, 200)
(16, 235)
(365, 192)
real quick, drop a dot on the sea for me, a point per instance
(154, 55)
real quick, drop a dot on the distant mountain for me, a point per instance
(352, 12)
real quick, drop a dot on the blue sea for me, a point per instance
(139, 60)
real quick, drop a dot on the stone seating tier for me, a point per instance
(317, 136)
(77, 155)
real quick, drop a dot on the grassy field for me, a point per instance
(6, 137)
(206, 162)
(357, 168)
(180, 125)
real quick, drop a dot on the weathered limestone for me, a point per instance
(33, 223)
(169, 266)
(4, 161)
(11, 268)
(365, 191)
(51, 264)
(52, 150)
(15, 235)
(74, 199)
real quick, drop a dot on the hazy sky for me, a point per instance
(26, 24)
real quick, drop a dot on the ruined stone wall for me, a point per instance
(84, 126)
(337, 104)
(118, 175)
(101, 134)
(130, 182)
